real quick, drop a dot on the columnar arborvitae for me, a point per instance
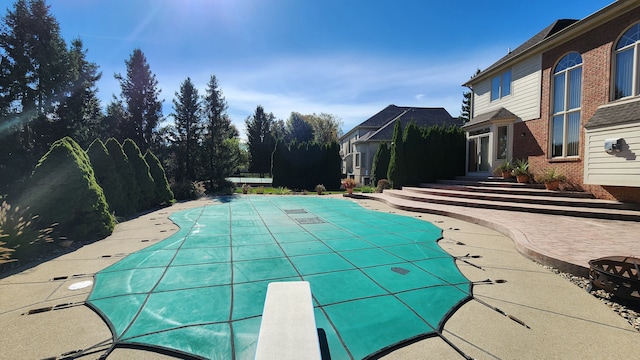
(381, 163)
(63, 190)
(107, 176)
(127, 176)
(397, 167)
(162, 193)
(416, 159)
(141, 171)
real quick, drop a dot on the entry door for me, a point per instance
(479, 154)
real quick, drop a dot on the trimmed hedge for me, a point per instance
(304, 165)
(107, 176)
(141, 170)
(127, 177)
(162, 193)
(63, 190)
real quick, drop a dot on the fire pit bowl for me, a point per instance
(619, 275)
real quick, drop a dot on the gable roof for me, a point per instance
(382, 123)
(552, 29)
(615, 114)
(500, 114)
(558, 32)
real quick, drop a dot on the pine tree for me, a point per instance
(140, 94)
(142, 174)
(63, 190)
(162, 193)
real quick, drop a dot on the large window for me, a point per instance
(626, 58)
(567, 98)
(501, 85)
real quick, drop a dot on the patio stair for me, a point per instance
(498, 194)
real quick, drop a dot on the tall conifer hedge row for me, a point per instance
(141, 170)
(127, 177)
(162, 190)
(305, 165)
(63, 190)
(107, 177)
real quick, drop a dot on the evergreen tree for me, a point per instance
(297, 129)
(141, 171)
(260, 140)
(115, 120)
(63, 190)
(80, 114)
(397, 167)
(34, 58)
(127, 177)
(465, 112)
(381, 163)
(107, 176)
(186, 134)
(162, 193)
(140, 94)
(416, 159)
(219, 160)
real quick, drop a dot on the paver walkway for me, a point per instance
(564, 242)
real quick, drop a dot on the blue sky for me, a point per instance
(347, 58)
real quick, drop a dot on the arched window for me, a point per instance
(567, 98)
(626, 60)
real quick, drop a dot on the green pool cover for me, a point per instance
(378, 280)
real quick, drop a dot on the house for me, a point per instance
(359, 145)
(568, 98)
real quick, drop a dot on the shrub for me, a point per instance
(320, 189)
(260, 190)
(107, 176)
(282, 191)
(187, 190)
(141, 171)
(367, 189)
(246, 188)
(162, 194)
(127, 176)
(63, 189)
(19, 236)
(382, 185)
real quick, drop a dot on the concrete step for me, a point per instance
(509, 204)
(497, 182)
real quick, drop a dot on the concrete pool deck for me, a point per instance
(563, 320)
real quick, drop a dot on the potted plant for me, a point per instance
(320, 189)
(505, 169)
(551, 178)
(246, 188)
(349, 184)
(383, 184)
(521, 170)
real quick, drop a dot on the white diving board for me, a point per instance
(288, 329)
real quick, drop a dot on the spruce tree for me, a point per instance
(141, 171)
(127, 177)
(186, 134)
(107, 176)
(63, 190)
(260, 140)
(162, 193)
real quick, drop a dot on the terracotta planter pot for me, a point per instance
(522, 178)
(350, 191)
(506, 175)
(552, 185)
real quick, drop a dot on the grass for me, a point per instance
(262, 190)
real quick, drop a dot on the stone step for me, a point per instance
(514, 190)
(499, 182)
(539, 198)
(511, 205)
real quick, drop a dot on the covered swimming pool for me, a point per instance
(378, 280)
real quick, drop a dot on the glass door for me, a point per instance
(478, 155)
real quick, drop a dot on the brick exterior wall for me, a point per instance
(531, 138)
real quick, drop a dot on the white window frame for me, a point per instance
(635, 91)
(566, 111)
(501, 86)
